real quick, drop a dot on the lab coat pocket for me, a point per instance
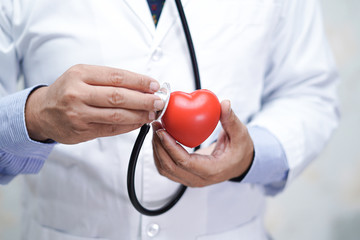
(252, 230)
(42, 232)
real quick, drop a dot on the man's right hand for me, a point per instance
(88, 102)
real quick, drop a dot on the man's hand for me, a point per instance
(87, 102)
(228, 158)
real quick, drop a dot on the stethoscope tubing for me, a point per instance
(145, 129)
(190, 44)
(131, 180)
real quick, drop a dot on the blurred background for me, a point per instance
(324, 202)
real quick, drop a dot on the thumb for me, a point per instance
(229, 121)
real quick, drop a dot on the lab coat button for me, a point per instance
(153, 230)
(157, 54)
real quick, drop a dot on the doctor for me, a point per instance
(89, 70)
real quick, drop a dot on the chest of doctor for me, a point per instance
(232, 39)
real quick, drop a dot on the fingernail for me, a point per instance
(159, 134)
(151, 116)
(229, 103)
(154, 86)
(158, 105)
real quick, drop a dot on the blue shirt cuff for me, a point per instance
(269, 167)
(18, 153)
(14, 137)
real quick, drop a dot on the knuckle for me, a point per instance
(117, 77)
(143, 81)
(116, 117)
(73, 117)
(78, 66)
(169, 168)
(112, 129)
(141, 118)
(69, 96)
(161, 172)
(79, 129)
(209, 176)
(117, 98)
(78, 132)
(77, 71)
(215, 176)
(185, 162)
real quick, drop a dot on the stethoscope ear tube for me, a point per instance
(145, 129)
(189, 43)
(131, 179)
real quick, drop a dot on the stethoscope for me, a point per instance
(164, 94)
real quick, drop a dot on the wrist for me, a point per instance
(243, 175)
(247, 160)
(33, 119)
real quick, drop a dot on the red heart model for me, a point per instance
(191, 118)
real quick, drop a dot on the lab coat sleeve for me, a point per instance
(18, 153)
(299, 102)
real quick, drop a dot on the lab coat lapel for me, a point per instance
(168, 17)
(141, 9)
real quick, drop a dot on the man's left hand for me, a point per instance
(228, 158)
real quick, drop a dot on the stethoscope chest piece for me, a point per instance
(164, 93)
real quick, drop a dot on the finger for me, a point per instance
(160, 168)
(178, 153)
(117, 116)
(163, 161)
(199, 165)
(106, 76)
(107, 130)
(237, 138)
(180, 175)
(167, 167)
(156, 126)
(105, 96)
(230, 122)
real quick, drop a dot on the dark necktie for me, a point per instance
(155, 7)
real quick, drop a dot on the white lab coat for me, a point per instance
(269, 57)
